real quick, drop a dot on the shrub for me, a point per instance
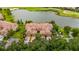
(67, 29)
(75, 32)
(39, 44)
(59, 44)
(74, 44)
(20, 46)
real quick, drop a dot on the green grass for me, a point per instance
(35, 8)
(66, 13)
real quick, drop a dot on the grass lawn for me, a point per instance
(35, 8)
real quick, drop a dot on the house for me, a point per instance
(43, 28)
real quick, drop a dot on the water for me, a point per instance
(42, 16)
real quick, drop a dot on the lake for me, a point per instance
(44, 16)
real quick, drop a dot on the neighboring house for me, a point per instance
(7, 26)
